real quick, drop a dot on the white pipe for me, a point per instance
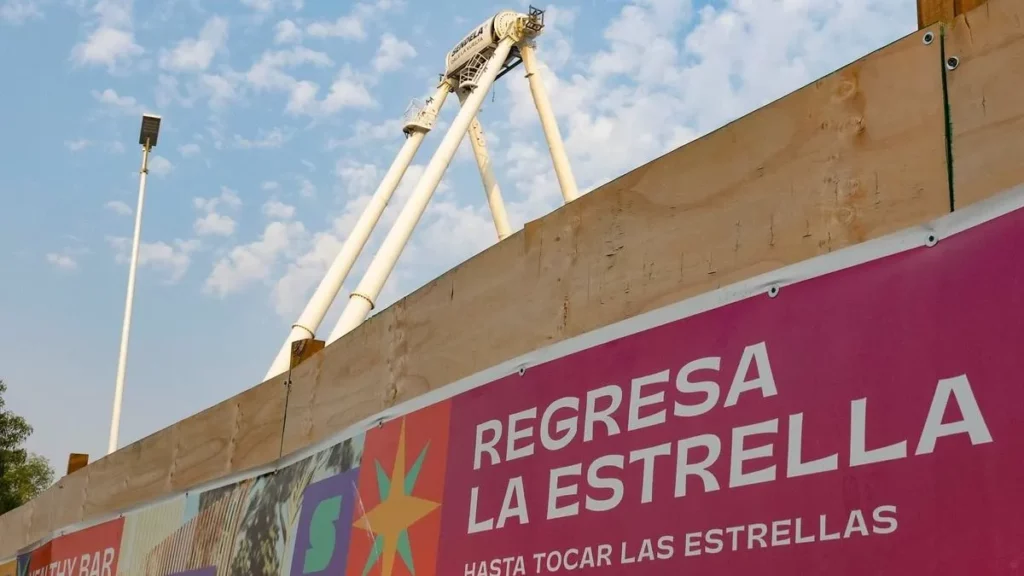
(361, 300)
(491, 188)
(563, 171)
(311, 317)
(122, 359)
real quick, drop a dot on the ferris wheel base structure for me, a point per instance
(489, 51)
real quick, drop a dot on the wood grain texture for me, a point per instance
(986, 100)
(856, 155)
(62, 504)
(134, 474)
(14, 529)
(933, 11)
(238, 434)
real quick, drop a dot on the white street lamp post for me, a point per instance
(147, 139)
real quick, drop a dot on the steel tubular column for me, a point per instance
(362, 299)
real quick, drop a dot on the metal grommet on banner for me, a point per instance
(928, 37)
(773, 291)
(931, 240)
(522, 370)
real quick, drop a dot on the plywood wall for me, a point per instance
(856, 155)
(986, 99)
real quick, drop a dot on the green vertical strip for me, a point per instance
(948, 117)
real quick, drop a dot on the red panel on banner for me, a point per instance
(89, 552)
(863, 422)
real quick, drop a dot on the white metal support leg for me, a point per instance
(362, 299)
(317, 307)
(491, 188)
(563, 171)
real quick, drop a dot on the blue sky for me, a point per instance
(280, 117)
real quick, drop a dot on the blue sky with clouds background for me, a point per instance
(280, 117)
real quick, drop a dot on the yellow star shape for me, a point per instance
(397, 511)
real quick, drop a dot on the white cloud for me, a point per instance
(266, 6)
(268, 72)
(118, 207)
(668, 74)
(160, 166)
(252, 262)
(367, 132)
(196, 54)
(188, 150)
(349, 27)
(287, 32)
(221, 89)
(77, 145)
(112, 42)
(272, 139)
(270, 185)
(174, 258)
(392, 53)
(352, 26)
(115, 147)
(124, 104)
(349, 90)
(228, 197)
(306, 188)
(278, 210)
(359, 178)
(302, 97)
(218, 89)
(20, 11)
(211, 222)
(62, 261)
(214, 224)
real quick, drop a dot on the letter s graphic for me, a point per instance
(322, 535)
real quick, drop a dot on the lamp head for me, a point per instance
(150, 130)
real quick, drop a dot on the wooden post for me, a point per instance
(76, 461)
(303, 349)
(931, 11)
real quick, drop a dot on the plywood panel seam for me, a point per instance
(287, 383)
(233, 438)
(947, 117)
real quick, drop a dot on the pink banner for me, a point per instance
(863, 422)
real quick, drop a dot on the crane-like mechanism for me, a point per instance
(487, 53)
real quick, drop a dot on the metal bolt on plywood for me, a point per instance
(484, 55)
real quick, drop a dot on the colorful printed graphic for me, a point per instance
(401, 486)
(861, 422)
(9, 568)
(321, 544)
(90, 551)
